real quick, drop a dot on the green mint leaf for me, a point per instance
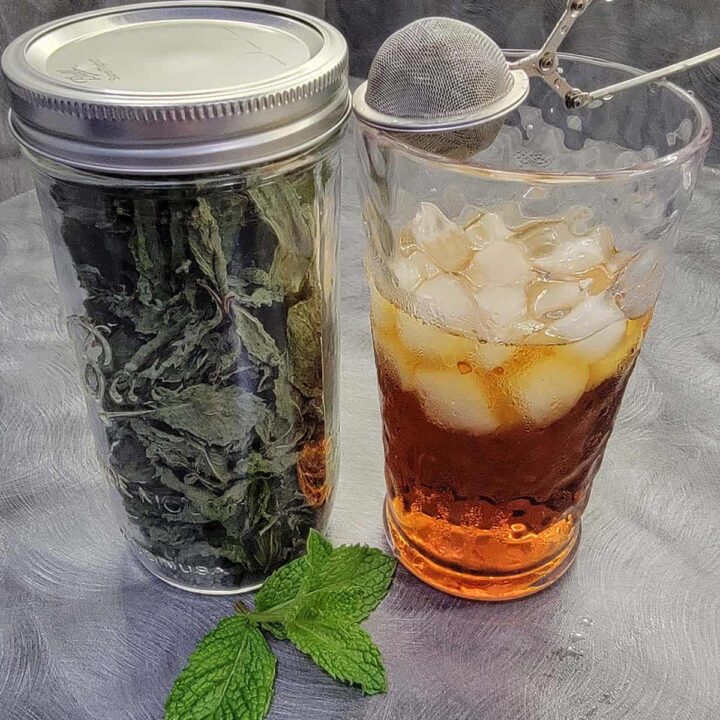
(229, 676)
(341, 648)
(328, 606)
(318, 547)
(284, 584)
(282, 587)
(348, 584)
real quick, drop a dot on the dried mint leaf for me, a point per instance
(219, 416)
(304, 330)
(200, 337)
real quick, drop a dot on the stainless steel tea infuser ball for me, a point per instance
(446, 86)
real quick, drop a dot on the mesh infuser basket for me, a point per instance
(445, 72)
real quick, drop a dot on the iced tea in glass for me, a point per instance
(508, 308)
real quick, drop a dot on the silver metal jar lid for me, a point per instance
(177, 87)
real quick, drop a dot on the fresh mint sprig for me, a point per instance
(317, 602)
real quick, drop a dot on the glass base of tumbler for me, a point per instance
(200, 580)
(473, 585)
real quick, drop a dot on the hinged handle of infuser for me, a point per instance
(545, 65)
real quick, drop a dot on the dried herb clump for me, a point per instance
(200, 343)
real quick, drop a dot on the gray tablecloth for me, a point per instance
(632, 631)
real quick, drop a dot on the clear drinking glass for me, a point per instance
(203, 311)
(510, 294)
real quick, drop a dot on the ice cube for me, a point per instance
(455, 401)
(522, 330)
(383, 312)
(620, 358)
(500, 263)
(447, 301)
(619, 260)
(577, 255)
(601, 344)
(557, 295)
(486, 229)
(489, 356)
(579, 219)
(468, 215)
(502, 306)
(430, 344)
(511, 214)
(440, 239)
(389, 351)
(541, 237)
(410, 271)
(639, 284)
(587, 318)
(549, 388)
(394, 357)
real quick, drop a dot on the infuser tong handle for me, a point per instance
(579, 98)
(544, 63)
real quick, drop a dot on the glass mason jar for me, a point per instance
(511, 291)
(199, 277)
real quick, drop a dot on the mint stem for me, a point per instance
(241, 608)
(265, 617)
(256, 617)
